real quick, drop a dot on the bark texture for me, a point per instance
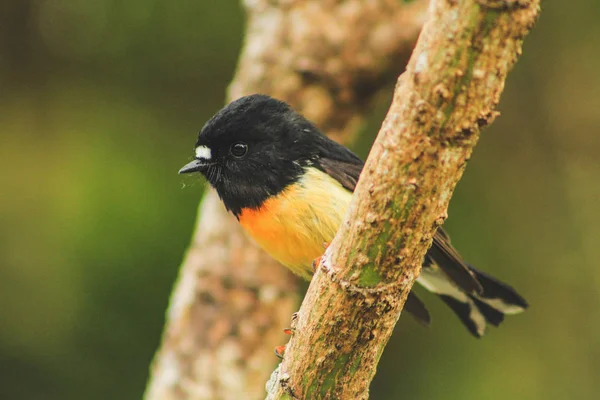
(447, 95)
(231, 301)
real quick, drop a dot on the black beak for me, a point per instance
(194, 166)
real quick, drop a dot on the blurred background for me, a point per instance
(100, 102)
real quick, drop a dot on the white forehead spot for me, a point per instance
(203, 152)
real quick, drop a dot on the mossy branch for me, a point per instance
(447, 95)
(231, 301)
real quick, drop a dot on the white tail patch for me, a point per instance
(434, 280)
(502, 306)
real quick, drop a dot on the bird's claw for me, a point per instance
(279, 351)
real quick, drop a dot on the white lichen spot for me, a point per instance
(268, 294)
(169, 374)
(273, 383)
(422, 62)
(228, 371)
(183, 298)
(478, 73)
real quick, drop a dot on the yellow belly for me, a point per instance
(294, 226)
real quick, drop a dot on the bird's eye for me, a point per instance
(239, 149)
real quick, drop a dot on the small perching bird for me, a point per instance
(289, 186)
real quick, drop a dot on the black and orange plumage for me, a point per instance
(289, 186)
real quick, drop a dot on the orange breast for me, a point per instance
(294, 226)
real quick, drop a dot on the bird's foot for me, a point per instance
(279, 351)
(317, 261)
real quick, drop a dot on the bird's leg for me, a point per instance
(317, 261)
(280, 350)
(316, 264)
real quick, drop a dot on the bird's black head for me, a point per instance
(253, 149)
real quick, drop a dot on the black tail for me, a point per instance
(475, 310)
(498, 294)
(415, 307)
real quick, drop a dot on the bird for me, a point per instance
(289, 186)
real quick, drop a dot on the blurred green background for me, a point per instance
(100, 102)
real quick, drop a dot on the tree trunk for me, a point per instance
(231, 301)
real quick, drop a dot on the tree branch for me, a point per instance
(231, 301)
(449, 92)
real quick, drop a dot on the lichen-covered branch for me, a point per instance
(231, 301)
(447, 95)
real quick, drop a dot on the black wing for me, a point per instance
(345, 167)
(447, 258)
(342, 171)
